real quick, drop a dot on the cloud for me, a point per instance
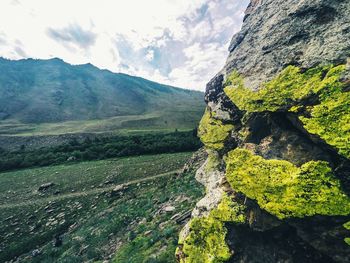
(150, 55)
(3, 40)
(197, 70)
(73, 34)
(177, 42)
(20, 52)
(15, 2)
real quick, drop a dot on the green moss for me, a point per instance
(213, 132)
(289, 87)
(243, 133)
(295, 109)
(229, 211)
(285, 91)
(347, 240)
(330, 119)
(284, 189)
(213, 161)
(206, 240)
(347, 226)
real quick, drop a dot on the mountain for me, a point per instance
(276, 130)
(47, 91)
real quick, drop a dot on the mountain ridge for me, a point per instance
(37, 91)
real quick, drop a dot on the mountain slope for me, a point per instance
(41, 91)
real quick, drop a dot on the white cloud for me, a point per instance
(150, 55)
(198, 69)
(177, 42)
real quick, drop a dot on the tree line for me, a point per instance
(100, 148)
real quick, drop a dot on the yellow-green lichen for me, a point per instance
(295, 109)
(213, 132)
(244, 133)
(289, 86)
(229, 211)
(347, 225)
(284, 91)
(206, 240)
(284, 189)
(329, 119)
(213, 161)
(347, 239)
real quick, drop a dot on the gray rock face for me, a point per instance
(218, 101)
(277, 33)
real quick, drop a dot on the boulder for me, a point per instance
(276, 132)
(45, 186)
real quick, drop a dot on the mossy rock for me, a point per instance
(347, 226)
(213, 132)
(293, 90)
(206, 240)
(213, 161)
(285, 190)
(330, 120)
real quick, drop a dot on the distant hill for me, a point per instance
(51, 91)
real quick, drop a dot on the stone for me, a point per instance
(57, 241)
(36, 252)
(46, 186)
(9, 218)
(277, 182)
(175, 216)
(169, 208)
(183, 217)
(118, 188)
(71, 158)
(277, 33)
(147, 233)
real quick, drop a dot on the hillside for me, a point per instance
(51, 91)
(116, 210)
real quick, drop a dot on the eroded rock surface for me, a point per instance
(277, 33)
(277, 134)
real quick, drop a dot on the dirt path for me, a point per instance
(86, 193)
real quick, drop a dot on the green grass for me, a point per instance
(22, 185)
(94, 225)
(143, 123)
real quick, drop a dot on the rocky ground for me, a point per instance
(113, 207)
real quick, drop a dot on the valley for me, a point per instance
(92, 164)
(53, 97)
(246, 161)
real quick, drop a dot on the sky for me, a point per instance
(176, 42)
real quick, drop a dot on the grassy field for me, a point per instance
(95, 221)
(143, 123)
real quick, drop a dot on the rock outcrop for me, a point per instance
(277, 134)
